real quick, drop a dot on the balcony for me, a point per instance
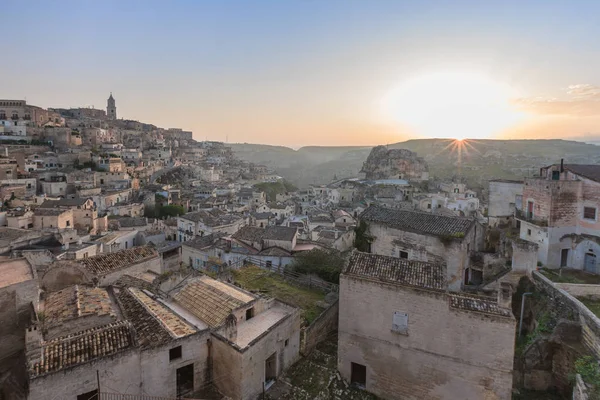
(530, 218)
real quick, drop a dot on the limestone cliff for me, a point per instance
(384, 163)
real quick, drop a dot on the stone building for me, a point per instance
(51, 218)
(402, 335)
(202, 223)
(504, 198)
(560, 214)
(420, 236)
(19, 110)
(384, 163)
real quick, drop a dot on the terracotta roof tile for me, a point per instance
(106, 263)
(74, 302)
(397, 270)
(415, 221)
(149, 331)
(207, 302)
(82, 347)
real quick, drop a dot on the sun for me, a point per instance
(456, 105)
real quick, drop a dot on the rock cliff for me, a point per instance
(384, 163)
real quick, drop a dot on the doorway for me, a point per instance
(271, 368)
(358, 374)
(564, 256)
(185, 380)
(589, 264)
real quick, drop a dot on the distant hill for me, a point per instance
(480, 160)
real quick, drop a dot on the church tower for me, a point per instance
(111, 108)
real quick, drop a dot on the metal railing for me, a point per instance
(529, 217)
(119, 396)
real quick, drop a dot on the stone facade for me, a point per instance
(560, 214)
(504, 195)
(384, 163)
(430, 248)
(445, 354)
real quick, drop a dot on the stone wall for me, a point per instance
(445, 354)
(567, 305)
(325, 324)
(159, 374)
(153, 264)
(118, 374)
(580, 391)
(226, 367)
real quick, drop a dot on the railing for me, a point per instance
(119, 396)
(525, 216)
(300, 279)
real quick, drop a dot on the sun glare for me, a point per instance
(452, 105)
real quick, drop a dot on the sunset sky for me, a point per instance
(315, 72)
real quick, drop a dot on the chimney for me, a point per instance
(505, 295)
(230, 330)
(33, 344)
(562, 165)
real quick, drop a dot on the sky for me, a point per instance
(311, 72)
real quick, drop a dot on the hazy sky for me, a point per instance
(314, 72)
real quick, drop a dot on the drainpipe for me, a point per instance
(522, 310)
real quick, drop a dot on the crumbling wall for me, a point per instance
(319, 329)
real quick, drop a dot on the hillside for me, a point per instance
(480, 160)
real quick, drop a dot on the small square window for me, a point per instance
(175, 353)
(589, 213)
(403, 254)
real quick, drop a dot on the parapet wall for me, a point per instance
(321, 327)
(566, 304)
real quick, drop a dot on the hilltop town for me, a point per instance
(136, 261)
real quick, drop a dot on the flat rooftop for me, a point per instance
(253, 328)
(13, 271)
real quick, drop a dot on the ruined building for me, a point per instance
(384, 163)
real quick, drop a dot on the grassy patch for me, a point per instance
(592, 304)
(258, 280)
(571, 276)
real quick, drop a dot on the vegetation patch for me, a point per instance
(591, 303)
(327, 265)
(272, 189)
(570, 276)
(587, 367)
(258, 280)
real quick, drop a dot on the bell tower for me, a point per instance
(111, 108)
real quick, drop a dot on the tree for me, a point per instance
(362, 237)
(326, 264)
(171, 210)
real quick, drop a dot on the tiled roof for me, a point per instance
(51, 212)
(64, 203)
(175, 325)
(130, 222)
(213, 218)
(207, 302)
(275, 252)
(397, 270)
(249, 234)
(74, 302)
(79, 348)
(202, 242)
(106, 263)
(415, 221)
(255, 234)
(149, 331)
(286, 233)
(590, 171)
(132, 281)
(477, 303)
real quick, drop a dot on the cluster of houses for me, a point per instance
(109, 232)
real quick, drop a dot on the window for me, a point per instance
(428, 206)
(589, 213)
(89, 395)
(358, 374)
(403, 254)
(528, 232)
(400, 322)
(249, 313)
(287, 341)
(555, 175)
(68, 223)
(175, 353)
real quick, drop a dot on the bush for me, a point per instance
(362, 238)
(327, 265)
(587, 367)
(170, 211)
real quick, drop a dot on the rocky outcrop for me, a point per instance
(384, 163)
